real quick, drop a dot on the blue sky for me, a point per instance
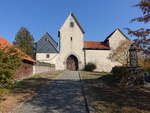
(98, 17)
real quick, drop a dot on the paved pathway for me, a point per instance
(63, 95)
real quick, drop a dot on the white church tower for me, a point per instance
(71, 37)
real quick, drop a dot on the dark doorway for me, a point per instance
(72, 63)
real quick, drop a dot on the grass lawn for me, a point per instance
(23, 89)
(106, 97)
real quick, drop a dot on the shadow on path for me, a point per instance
(63, 95)
(104, 91)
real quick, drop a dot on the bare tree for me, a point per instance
(120, 54)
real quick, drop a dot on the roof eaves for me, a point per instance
(114, 32)
(77, 23)
(52, 38)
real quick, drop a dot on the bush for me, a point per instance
(119, 72)
(129, 76)
(8, 66)
(90, 67)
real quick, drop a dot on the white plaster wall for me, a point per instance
(116, 39)
(68, 47)
(42, 69)
(100, 58)
(75, 47)
(41, 57)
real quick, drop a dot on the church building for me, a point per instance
(74, 52)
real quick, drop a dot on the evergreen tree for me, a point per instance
(9, 63)
(143, 34)
(24, 40)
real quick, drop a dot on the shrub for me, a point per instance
(8, 66)
(119, 72)
(90, 67)
(129, 76)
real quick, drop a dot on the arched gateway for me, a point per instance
(72, 63)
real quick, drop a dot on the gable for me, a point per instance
(46, 44)
(48, 37)
(77, 23)
(72, 16)
(115, 38)
(117, 30)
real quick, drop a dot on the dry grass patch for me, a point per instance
(92, 75)
(106, 97)
(24, 89)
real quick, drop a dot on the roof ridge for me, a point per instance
(51, 37)
(72, 14)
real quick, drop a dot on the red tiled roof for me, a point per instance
(95, 45)
(5, 44)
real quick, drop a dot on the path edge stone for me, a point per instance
(90, 109)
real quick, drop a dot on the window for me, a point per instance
(58, 33)
(47, 56)
(70, 38)
(71, 24)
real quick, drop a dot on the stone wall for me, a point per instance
(135, 76)
(37, 69)
(128, 76)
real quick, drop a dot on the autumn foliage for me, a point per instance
(143, 34)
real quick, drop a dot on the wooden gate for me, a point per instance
(72, 63)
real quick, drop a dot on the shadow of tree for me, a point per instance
(104, 89)
(58, 96)
(32, 84)
(65, 96)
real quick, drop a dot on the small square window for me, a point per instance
(71, 24)
(47, 56)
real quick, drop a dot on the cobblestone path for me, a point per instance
(63, 95)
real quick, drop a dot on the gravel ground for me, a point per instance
(63, 95)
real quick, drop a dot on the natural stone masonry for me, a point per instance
(63, 95)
